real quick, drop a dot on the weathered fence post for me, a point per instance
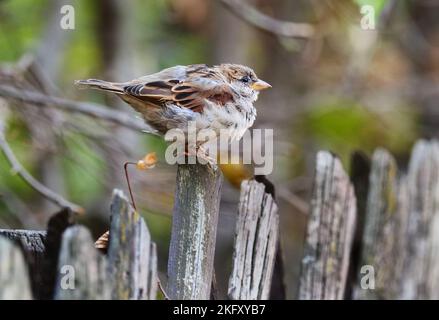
(401, 228)
(422, 263)
(66, 265)
(41, 250)
(330, 232)
(194, 226)
(14, 277)
(81, 271)
(255, 244)
(384, 240)
(132, 257)
(33, 247)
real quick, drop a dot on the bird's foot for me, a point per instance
(200, 155)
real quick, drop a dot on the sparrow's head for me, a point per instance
(243, 80)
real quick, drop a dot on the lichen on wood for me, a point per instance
(194, 227)
(132, 255)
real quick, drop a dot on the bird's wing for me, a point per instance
(186, 86)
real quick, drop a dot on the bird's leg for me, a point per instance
(203, 155)
(189, 154)
(197, 153)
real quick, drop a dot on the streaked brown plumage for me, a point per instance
(218, 97)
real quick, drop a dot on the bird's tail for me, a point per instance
(100, 85)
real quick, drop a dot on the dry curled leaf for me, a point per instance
(148, 162)
(102, 242)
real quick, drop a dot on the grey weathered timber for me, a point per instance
(41, 249)
(82, 270)
(67, 254)
(14, 277)
(401, 228)
(194, 227)
(330, 231)
(32, 243)
(422, 264)
(132, 257)
(384, 238)
(31, 240)
(255, 244)
(56, 226)
(153, 278)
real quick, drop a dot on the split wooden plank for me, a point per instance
(384, 240)
(14, 276)
(330, 232)
(422, 263)
(82, 269)
(256, 237)
(33, 246)
(132, 255)
(41, 250)
(31, 240)
(402, 225)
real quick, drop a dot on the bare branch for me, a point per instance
(90, 109)
(266, 23)
(162, 290)
(30, 180)
(297, 202)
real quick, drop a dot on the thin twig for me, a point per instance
(30, 180)
(266, 23)
(163, 290)
(214, 295)
(90, 109)
(125, 167)
(294, 200)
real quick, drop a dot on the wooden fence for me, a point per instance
(374, 235)
(371, 235)
(63, 263)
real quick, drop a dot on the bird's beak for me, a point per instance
(260, 85)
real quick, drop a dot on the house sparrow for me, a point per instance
(218, 97)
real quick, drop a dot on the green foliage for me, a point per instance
(17, 37)
(155, 144)
(344, 126)
(378, 5)
(83, 46)
(21, 146)
(83, 170)
(157, 40)
(168, 42)
(160, 228)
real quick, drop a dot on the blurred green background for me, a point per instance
(342, 89)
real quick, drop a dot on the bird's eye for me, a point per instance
(245, 79)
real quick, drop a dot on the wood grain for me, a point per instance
(330, 232)
(256, 237)
(194, 226)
